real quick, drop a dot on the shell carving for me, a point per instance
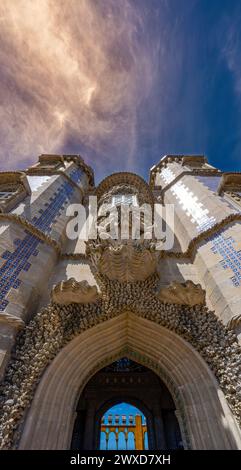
(182, 293)
(127, 263)
(72, 291)
(234, 322)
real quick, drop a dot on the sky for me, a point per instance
(120, 82)
(123, 408)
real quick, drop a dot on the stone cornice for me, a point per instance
(193, 159)
(50, 172)
(17, 183)
(48, 159)
(188, 253)
(192, 247)
(12, 320)
(14, 177)
(195, 172)
(187, 159)
(230, 181)
(32, 229)
(74, 256)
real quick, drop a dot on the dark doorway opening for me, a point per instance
(126, 382)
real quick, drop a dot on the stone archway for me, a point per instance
(129, 400)
(129, 382)
(205, 419)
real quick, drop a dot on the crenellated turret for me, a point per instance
(32, 226)
(207, 225)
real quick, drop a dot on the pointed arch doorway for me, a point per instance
(106, 416)
(204, 417)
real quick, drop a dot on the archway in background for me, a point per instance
(147, 408)
(205, 419)
(123, 427)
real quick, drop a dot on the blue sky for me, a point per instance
(123, 409)
(122, 83)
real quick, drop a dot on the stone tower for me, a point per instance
(72, 310)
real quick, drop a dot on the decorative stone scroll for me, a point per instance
(182, 293)
(72, 291)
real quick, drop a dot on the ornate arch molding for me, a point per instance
(125, 178)
(51, 418)
(54, 327)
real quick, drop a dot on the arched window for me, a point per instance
(123, 427)
(125, 199)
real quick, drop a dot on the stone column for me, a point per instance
(158, 427)
(90, 424)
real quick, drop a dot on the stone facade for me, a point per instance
(68, 306)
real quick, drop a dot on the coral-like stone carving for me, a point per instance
(51, 329)
(71, 291)
(182, 293)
